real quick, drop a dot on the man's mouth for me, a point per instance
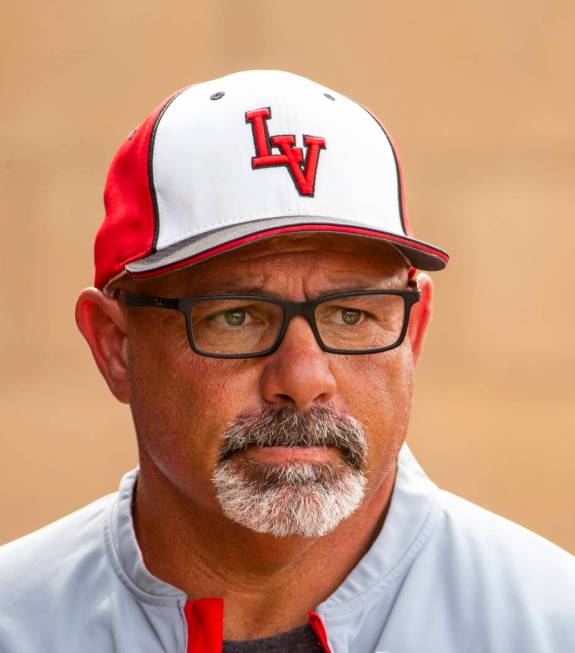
(281, 436)
(278, 455)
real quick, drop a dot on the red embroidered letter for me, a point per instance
(291, 156)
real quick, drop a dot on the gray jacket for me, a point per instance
(444, 576)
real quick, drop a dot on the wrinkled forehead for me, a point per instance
(331, 256)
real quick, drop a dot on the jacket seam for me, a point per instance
(140, 594)
(410, 553)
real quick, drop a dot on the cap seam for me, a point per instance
(151, 185)
(403, 218)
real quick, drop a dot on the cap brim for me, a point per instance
(422, 256)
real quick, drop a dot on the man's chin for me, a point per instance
(289, 497)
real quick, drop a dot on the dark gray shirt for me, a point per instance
(298, 640)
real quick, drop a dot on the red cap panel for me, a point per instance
(127, 232)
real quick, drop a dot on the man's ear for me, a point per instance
(103, 324)
(420, 314)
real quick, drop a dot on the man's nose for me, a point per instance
(298, 372)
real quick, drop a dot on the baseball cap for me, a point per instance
(249, 156)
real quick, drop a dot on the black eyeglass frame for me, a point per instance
(290, 308)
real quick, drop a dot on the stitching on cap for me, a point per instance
(151, 185)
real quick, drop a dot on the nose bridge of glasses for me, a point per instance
(305, 309)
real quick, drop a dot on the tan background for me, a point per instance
(480, 98)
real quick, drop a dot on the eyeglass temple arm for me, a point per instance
(131, 299)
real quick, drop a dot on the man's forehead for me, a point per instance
(251, 267)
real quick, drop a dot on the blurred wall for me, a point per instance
(479, 98)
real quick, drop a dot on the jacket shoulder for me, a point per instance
(493, 538)
(516, 584)
(33, 562)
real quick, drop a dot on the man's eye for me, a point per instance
(351, 316)
(234, 317)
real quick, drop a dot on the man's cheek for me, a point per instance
(223, 385)
(375, 380)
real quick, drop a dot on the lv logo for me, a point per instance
(290, 156)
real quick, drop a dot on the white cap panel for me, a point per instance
(202, 158)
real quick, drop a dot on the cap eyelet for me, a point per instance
(217, 96)
(329, 97)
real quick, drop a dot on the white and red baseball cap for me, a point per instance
(250, 156)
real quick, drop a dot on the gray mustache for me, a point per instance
(287, 427)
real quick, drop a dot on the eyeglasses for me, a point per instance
(249, 326)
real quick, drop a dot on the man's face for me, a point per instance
(183, 404)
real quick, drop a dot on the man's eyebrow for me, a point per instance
(235, 289)
(351, 287)
(257, 289)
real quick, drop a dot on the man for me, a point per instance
(258, 306)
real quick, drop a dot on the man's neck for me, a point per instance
(268, 584)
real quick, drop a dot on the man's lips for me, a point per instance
(279, 455)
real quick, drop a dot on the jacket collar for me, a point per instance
(407, 525)
(125, 553)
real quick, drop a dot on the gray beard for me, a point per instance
(297, 498)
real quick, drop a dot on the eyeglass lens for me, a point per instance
(353, 323)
